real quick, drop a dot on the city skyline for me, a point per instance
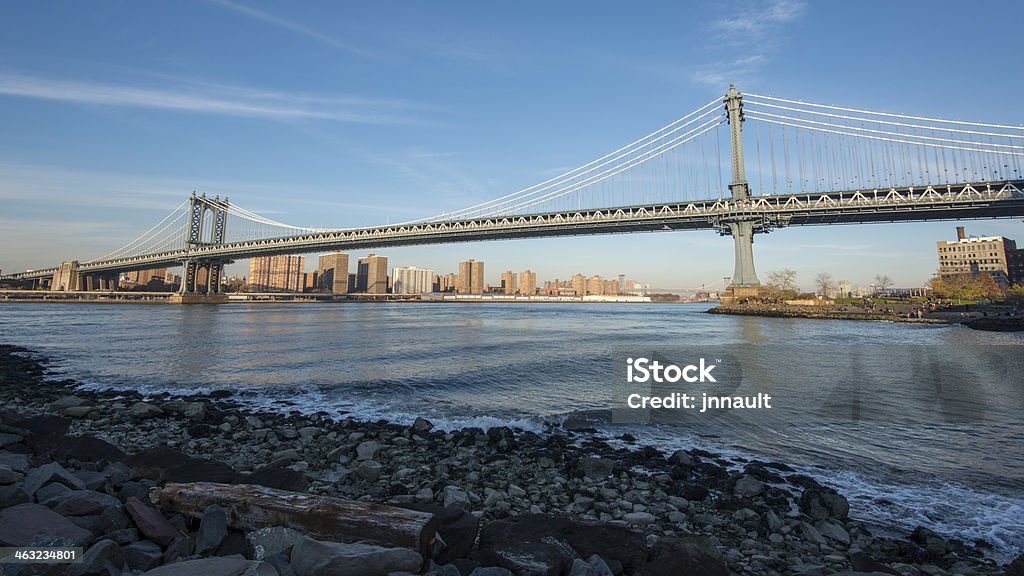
(359, 147)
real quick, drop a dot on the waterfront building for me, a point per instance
(975, 254)
(332, 273)
(595, 286)
(412, 280)
(579, 285)
(1015, 266)
(471, 277)
(309, 281)
(372, 276)
(276, 273)
(508, 282)
(528, 282)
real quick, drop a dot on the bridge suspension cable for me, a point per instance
(841, 148)
(592, 178)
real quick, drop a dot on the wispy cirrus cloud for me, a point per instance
(751, 33)
(292, 26)
(212, 99)
(759, 19)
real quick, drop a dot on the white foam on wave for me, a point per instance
(949, 508)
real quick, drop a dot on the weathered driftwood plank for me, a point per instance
(252, 507)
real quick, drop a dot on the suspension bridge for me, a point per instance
(741, 165)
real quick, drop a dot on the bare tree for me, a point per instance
(882, 283)
(784, 279)
(824, 283)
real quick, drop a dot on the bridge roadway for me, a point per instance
(999, 199)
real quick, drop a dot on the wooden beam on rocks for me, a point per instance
(252, 507)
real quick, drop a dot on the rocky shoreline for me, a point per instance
(822, 312)
(82, 465)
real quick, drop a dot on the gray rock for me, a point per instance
(123, 536)
(421, 426)
(142, 555)
(833, 531)
(12, 496)
(822, 503)
(811, 534)
(287, 434)
(453, 495)
(748, 487)
(118, 473)
(581, 568)
(369, 470)
(8, 476)
(181, 548)
(213, 529)
(314, 558)
(51, 490)
(367, 450)
(50, 473)
(16, 462)
(68, 402)
(105, 558)
(490, 571)
(195, 411)
(224, 566)
(78, 411)
(22, 524)
(599, 565)
(81, 503)
(596, 468)
(267, 542)
(308, 432)
(144, 411)
(639, 518)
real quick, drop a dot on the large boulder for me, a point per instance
(48, 474)
(89, 449)
(105, 558)
(169, 465)
(213, 529)
(690, 557)
(540, 540)
(314, 558)
(151, 522)
(81, 503)
(823, 503)
(142, 555)
(277, 477)
(25, 523)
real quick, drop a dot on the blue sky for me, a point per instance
(347, 114)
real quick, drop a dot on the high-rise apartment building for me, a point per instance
(332, 273)
(372, 276)
(276, 273)
(974, 254)
(595, 285)
(508, 282)
(471, 277)
(528, 282)
(412, 280)
(579, 285)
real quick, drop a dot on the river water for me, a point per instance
(928, 427)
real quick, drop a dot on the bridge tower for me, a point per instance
(207, 226)
(741, 222)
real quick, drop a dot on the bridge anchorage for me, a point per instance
(806, 164)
